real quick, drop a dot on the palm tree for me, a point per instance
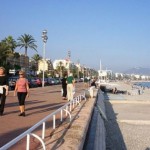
(16, 57)
(7, 47)
(10, 42)
(60, 68)
(36, 59)
(4, 53)
(27, 41)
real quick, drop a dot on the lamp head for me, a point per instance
(44, 32)
(44, 36)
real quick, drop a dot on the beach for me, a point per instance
(128, 125)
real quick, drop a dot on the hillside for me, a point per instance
(138, 70)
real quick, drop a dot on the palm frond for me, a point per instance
(27, 41)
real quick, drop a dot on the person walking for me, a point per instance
(70, 86)
(86, 83)
(64, 86)
(3, 89)
(22, 89)
(93, 83)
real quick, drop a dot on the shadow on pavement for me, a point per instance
(34, 143)
(114, 137)
(60, 140)
(8, 136)
(14, 104)
(44, 108)
(43, 92)
(36, 109)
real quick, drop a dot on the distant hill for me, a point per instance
(138, 70)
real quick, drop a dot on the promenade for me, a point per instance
(127, 128)
(41, 102)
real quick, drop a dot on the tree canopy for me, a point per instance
(27, 41)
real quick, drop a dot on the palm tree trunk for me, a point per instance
(25, 51)
(25, 59)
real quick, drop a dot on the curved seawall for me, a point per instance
(96, 135)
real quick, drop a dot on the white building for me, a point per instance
(79, 67)
(136, 76)
(117, 75)
(44, 65)
(64, 62)
(143, 77)
(102, 74)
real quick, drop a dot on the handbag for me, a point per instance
(61, 92)
(1, 89)
(73, 90)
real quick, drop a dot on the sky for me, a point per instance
(117, 32)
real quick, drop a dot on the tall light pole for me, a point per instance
(83, 72)
(78, 67)
(69, 56)
(44, 38)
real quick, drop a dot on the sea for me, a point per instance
(143, 84)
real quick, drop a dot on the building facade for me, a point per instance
(45, 65)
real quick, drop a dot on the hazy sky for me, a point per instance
(115, 31)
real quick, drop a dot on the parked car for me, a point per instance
(12, 82)
(46, 82)
(51, 81)
(80, 80)
(38, 81)
(32, 83)
(57, 80)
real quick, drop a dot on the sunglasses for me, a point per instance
(20, 74)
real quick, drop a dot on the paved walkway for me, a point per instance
(42, 101)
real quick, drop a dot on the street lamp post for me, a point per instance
(83, 73)
(78, 68)
(69, 56)
(44, 38)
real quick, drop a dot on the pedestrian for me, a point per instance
(93, 83)
(22, 89)
(64, 86)
(139, 91)
(86, 82)
(3, 89)
(115, 91)
(70, 86)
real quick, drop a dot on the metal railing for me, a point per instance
(67, 108)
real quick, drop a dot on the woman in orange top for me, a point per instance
(22, 89)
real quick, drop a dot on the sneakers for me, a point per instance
(22, 114)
